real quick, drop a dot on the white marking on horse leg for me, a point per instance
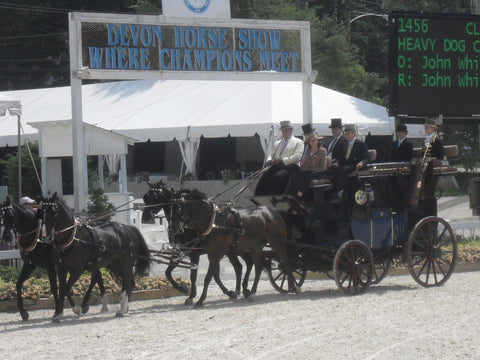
(123, 304)
(77, 310)
(104, 303)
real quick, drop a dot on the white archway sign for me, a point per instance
(128, 47)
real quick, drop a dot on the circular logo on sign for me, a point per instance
(197, 6)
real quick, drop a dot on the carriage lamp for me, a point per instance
(361, 197)
(365, 196)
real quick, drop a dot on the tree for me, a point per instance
(31, 188)
(98, 204)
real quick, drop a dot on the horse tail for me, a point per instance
(144, 259)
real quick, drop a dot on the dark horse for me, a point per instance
(36, 252)
(115, 246)
(232, 232)
(186, 241)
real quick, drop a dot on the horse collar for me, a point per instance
(211, 225)
(36, 239)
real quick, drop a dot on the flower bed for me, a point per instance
(39, 287)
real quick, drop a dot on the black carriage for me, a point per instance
(388, 213)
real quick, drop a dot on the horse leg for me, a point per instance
(27, 270)
(65, 288)
(237, 266)
(258, 271)
(127, 287)
(96, 278)
(103, 292)
(168, 273)
(206, 282)
(249, 263)
(216, 276)
(195, 259)
(52, 278)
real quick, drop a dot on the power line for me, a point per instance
(11, 6)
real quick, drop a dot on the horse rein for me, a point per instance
(72, 238)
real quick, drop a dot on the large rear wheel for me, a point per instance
(278, 276)
(432, 251)
(353, 267)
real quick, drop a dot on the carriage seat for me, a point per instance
(451, 151)
(372, 155)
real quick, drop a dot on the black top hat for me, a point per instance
(401, 127)
(307, 129)
(336, 123)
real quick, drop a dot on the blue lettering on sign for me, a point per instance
(194, 48)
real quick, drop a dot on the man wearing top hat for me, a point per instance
(284, 158)
(433, 144)
(402, 148)
(335, 146)
(354, 157)
(432, 152)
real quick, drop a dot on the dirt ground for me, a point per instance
(396, 319)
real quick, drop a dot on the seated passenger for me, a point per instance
(402, 148)
(284, 160)
(355, 157)
(314, 160)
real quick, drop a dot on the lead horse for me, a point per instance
(186, 241)
(232, 232)
(112, 245)
(35, 252)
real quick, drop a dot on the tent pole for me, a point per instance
(19, 158)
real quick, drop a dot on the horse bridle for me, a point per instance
(53, 205)
(37, 231)
(211, 225)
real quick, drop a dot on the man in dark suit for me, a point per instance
(354, 157)
(402, 148)
(335, 146)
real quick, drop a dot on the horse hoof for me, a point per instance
(85, 309)
(198, 305)
(232, 295)
(246, 294)
(24, 315)
(76, 310)
(56, 318)
(104, 308)
(188, 302)
(119, 314)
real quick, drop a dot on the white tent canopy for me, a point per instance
(163, 110)
(13, 106)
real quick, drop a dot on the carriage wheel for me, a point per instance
(381, 268)
(432, 252)
(278, 276)
(353, 267)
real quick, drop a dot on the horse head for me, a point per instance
(157, 197)
(191, 210)
(7, 220)
(56, 215)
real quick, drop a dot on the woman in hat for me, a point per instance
(314, 160)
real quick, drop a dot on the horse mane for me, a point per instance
(197, 194)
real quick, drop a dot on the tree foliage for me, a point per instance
(31, 187)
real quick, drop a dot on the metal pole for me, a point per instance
(78, 139)
(19, 158)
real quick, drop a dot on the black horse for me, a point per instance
(186, 242)
(230, 232)
(35, 252)
(112, 245)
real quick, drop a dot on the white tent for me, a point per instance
(13, 106)
(186, 110)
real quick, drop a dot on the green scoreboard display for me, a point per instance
(434, 64)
